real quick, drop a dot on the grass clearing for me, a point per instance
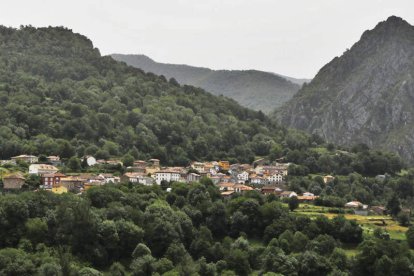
(367, 223)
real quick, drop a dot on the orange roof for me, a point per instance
(307, 197)
(226, 184)
(243, 187)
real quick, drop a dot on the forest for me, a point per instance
(60, 96)
(191, 230)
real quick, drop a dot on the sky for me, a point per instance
(291, 37)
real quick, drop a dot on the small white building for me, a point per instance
(40, 169)
(288, 194)
(166, 176)
(308, 194)
(258, 180)
(244, 176)
(193, 177)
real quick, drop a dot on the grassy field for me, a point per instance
(368, 223)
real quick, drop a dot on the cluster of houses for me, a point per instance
(230, 178)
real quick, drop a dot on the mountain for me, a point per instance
(364, 96)
(58, 95)
(251, 88)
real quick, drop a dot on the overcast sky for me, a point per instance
(292, 37)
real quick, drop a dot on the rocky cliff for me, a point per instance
(364, 96)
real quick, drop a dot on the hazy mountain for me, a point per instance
(251, 88)
(364, 96)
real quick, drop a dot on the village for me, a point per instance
(268, 179)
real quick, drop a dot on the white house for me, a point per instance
(193, 177)
(40, 169)
(288, 194)
(275, 178)
(90, 160)
(166, 176)
(257, 180)
(26, 158)
(244, 176)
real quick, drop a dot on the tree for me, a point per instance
(74, 164)
(410, 236)
(299, 242)
(293, 203)
(404, 219)
(84, 163)
(140, 251)
(394, 205)
(128, 160)
(117, 269)
(310, 263)
(36, 230)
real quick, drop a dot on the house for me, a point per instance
(39, 169)
(275, 178)
(245, 167)
(54, 160)
(72, 183)
(257, 180)
(140, 163)
(224, 165)
(328, 178)
(90, 160)
(138, 166)
(193, 177)
(13, 181)
(238, 188)
(215, 179)
(228, 178)
(110, 178)
(356, 205)
(131, 177)
(198, 166)
(243, 177)
(379, 210)
(26, 158)
(52, 180)
(166, 175)
(154, 162)
(288, 194)
(307, 198)
(226, 186)
(267, 190)
(151, 170)
(235, 167)
(114, 162)
(227, 193)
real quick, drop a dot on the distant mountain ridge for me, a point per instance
(251, 88)
(364, 96)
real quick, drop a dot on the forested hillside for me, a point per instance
(254, 89)
(59, 96)
(189, 231)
